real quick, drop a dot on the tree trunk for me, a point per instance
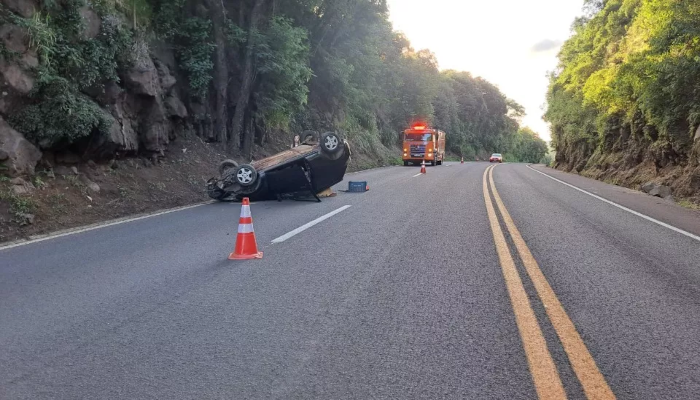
(246, 78)
(218, 14)
(248, 137)
(241, 16)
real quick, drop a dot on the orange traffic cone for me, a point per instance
(246, 246)
(422, 167)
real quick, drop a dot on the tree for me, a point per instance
(247, 77)
(257, 68)
(628, 82)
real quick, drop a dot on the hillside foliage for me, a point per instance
(628, 84)
(254, 69)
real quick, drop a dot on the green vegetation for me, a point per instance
(260, 68)
(3, 173)
(282, 56)
(61, 114)
(547, 160)
(689, 204)
(69, 62)
(38, 182)
(373, 84)
(20, 206)
(526, 146)
(193, 43)
(628, 81)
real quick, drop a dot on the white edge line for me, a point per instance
(648, 218)
(309, 225)
(99, 225)
(416, 175)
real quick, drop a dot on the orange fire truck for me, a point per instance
(422, 143)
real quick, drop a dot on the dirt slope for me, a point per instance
(58, 198)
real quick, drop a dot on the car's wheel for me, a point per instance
(405, 163)
(226, 165)
(309, 137)
(432, 163)
(246, 175)
(331, 145)
(247, 190)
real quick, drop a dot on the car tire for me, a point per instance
(226, 165)
(405, 163)
(246, 175)
(331, 145)
(309, 138)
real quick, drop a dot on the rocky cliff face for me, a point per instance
(16, 153)
(143, 108)
(636, 162)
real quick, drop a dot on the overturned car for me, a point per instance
(316, 164)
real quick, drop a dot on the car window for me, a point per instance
(419, 137)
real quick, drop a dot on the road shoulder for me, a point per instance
(665, 211)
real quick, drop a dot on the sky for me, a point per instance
(511, 43)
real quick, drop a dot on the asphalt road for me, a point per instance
(405, 294)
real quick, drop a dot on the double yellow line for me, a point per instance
(544, 372)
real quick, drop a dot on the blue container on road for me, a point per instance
(357, 187)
